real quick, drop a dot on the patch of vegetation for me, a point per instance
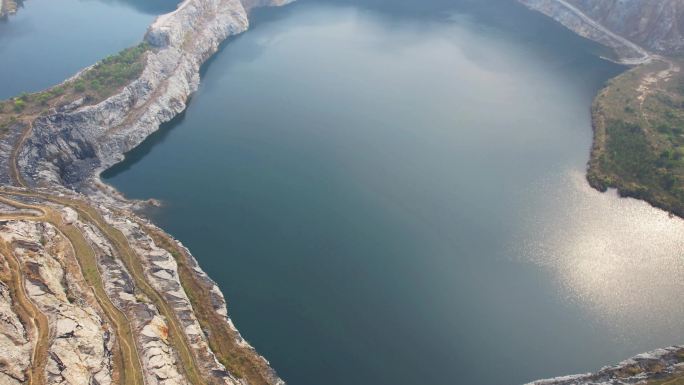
(19, 105)
(113, 72)
(93, 85)
(639, 136)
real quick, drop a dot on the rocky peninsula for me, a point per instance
(90, 292)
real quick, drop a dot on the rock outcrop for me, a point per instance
(80, 350)
(134, 315)
(656, 25)
(70, 147)
(660, 364)
(14, 340)
(575, 19)
(631, 27)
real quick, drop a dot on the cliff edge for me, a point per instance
(90, 292)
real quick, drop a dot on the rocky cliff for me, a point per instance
(631, 27)
(655, 25)
(90, 292)
(647, 368)
(71, 146)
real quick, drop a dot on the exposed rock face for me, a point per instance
(655, 365)
(655, 25)
(159, 361)
(64, 151)
(630, 27)
(575, 19)
(161, 271)
(70, 147)
(80, 352)
(14, 342)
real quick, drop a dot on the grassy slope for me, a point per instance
(639, 135)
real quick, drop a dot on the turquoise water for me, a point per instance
(393, 193)
(48, 40)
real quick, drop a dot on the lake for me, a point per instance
(393, 193)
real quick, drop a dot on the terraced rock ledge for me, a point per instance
(90, 292)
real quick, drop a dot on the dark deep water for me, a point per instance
(49, 40)
(393, 193)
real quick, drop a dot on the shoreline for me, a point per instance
(56, 158)
(581, 24)
(599, 175)
(125, 119)
(660, 366)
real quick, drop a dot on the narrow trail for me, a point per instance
(15, 175)
(137, 271)
(650, 81)
(39, 321)
(130, 368)
(224, 342)
(132, 263)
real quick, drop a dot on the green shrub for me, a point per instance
(58, 91)
(116, 70)
(43, 98)
(79, 86)
(19, 105)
